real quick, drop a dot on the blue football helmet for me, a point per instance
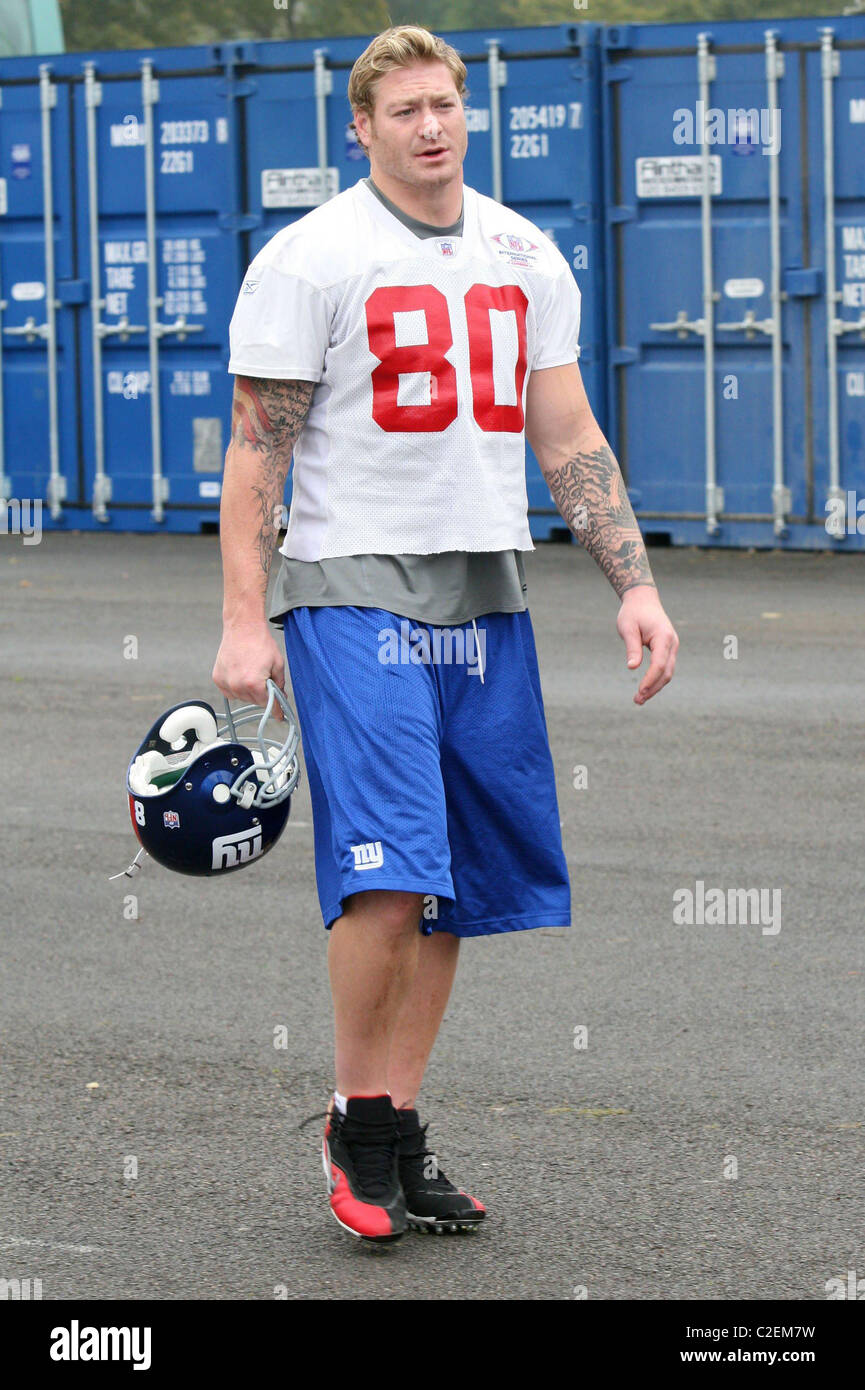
(202, 800)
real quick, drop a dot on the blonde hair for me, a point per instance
(397, 48)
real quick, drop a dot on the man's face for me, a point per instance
(417, 132)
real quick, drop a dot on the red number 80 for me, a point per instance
(442, 409)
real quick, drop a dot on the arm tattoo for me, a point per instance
(589, 491)
(267, 417)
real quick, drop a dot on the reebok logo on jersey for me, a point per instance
(250, 286)
(368, 856)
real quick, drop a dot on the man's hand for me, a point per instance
(247, 656)
(266, 419)
(642, 622)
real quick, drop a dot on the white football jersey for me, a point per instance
(421, 348)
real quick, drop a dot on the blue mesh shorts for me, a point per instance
(429, 766)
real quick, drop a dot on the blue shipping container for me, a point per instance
(723, 278)
(736, 278)
(160, 174)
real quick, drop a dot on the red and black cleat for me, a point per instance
(433, 1204)
(359, 1154)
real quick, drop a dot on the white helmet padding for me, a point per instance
(195, 717)
(269, 766)
(153, 772)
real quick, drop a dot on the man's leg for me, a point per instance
(373, 959)
(420, 1017)
(432, 1201)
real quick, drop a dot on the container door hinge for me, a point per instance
(72, 291)
(237, 87)
(499, 73)
(229, 54)
(239, 221)
(55, 492)
(578, 35)
(802, 281)
(101, 492)
(707, 68)
(618, 36)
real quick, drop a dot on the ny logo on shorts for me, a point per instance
(368, 856)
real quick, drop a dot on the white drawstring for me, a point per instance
(478, 650)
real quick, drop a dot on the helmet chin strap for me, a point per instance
(133, 869)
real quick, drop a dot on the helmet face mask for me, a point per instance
(205, 799)
(276, 773)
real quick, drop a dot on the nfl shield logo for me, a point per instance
(446, 248)
(171, 820)
(515, 243)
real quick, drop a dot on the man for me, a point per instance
(401, 340)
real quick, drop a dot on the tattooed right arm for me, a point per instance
(267, 418)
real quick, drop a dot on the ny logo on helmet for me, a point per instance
(232, 850)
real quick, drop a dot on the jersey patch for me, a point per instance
(517, 250)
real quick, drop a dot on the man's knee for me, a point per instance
(392, 911)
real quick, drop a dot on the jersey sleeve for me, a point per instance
(280, 326)
(558, 321)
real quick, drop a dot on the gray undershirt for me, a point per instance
(443, 589)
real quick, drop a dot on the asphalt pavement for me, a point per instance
(650, 1107)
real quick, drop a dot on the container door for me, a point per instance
(709, 402)
(159, 241)
(38, 292)
(836, 137)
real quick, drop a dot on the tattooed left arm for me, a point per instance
(583, 476)
(588, 488)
